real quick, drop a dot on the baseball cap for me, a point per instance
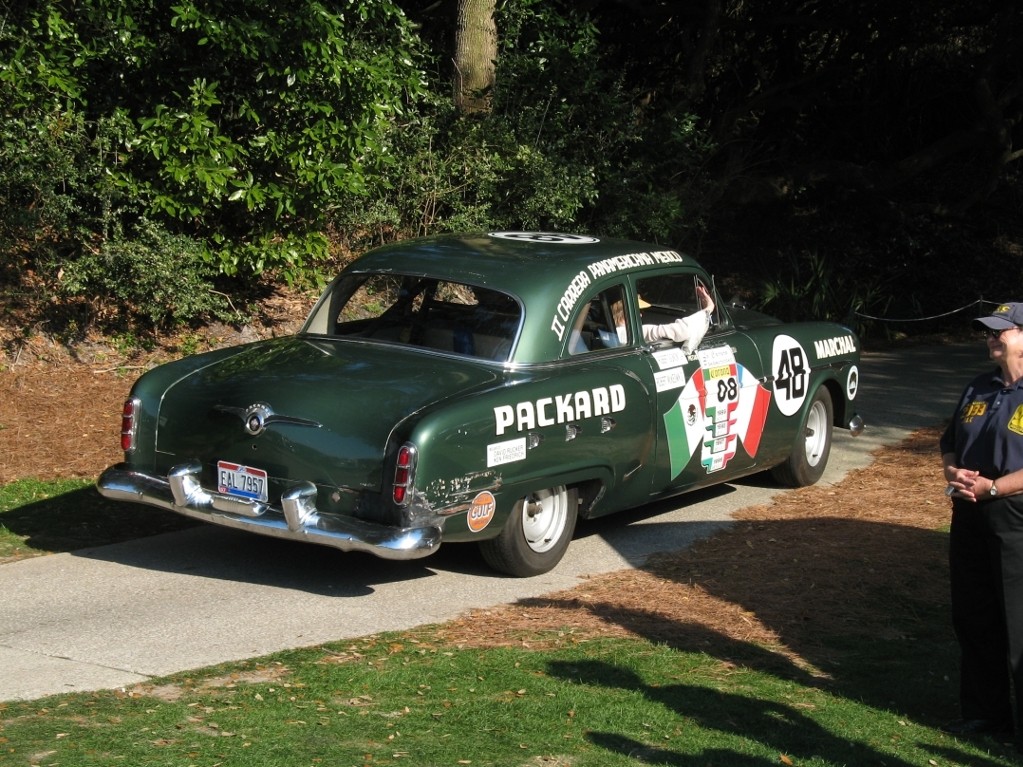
(1004, 317)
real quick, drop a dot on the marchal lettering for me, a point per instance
(559, 409)
(833, 347)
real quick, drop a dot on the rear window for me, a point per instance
(420, 311)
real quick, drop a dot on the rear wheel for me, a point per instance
(536, 535)
(812, 445)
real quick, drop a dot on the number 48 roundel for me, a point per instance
(791, 370)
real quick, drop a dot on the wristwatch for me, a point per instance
(993, 491)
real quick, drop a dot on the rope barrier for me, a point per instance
(978, 303)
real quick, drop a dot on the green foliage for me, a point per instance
(612, 162)
(812, 285)
(565, 147)
(237, 125)
(154, 277)
(262, 122)
(273, 137)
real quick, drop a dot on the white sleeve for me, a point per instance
(688, 330)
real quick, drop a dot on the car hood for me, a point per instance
(303, 408)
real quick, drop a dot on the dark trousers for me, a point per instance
(986, 565)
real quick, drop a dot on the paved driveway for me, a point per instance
(116, 615)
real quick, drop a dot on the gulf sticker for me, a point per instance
(481, 511)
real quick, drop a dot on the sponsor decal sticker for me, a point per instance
(723, 404)
(852, 383)
(670, 358)
(835, 347)
(481, 511)
(508, 451)
(666, 380)
(550, 237)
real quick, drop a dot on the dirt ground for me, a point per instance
(812, 563)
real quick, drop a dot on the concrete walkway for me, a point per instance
(117, 615)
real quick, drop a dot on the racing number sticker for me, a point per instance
(728, 389)
(852, 383)
(552, 237)
(791, 370)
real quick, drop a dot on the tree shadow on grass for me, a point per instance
(725, 717)
(856, 607)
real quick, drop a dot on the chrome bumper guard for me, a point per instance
(298, 518)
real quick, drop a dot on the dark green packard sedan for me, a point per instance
(490, 388)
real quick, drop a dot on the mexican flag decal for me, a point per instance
(721, 405)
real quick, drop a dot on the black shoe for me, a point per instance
(977, 727)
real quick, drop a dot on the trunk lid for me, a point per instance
(316, 409)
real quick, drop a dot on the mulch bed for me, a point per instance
(813, 564)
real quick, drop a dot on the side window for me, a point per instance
(666, 298)
(601, 323)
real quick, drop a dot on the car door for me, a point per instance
(602, 346)
(711, 401)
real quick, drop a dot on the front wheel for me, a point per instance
(812, 445)
(536, 535)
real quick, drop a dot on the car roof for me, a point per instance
(547, 271)
(516, 262)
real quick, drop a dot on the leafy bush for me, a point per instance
(240, 125)
(262, 121)
(148, 277)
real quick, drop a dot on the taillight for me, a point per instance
(129, 423)
(404, 474)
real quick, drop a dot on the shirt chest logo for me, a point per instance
(1016, 422)
(973, 410)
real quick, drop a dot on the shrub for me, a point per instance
(150, 278)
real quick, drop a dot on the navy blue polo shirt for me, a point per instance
(986, 433)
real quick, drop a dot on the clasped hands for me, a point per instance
(967, 484)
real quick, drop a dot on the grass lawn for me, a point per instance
(39, 517)
(407, 699)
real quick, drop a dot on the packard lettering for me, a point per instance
(559, 409)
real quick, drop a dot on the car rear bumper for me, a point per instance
(297, 519)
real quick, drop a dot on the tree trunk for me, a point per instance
(475, 55)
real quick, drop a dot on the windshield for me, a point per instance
(420, 311)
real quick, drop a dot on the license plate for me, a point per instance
(242, 481)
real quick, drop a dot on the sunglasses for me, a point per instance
(992, 333)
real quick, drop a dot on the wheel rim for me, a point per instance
(816, 433)
(544, 516)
